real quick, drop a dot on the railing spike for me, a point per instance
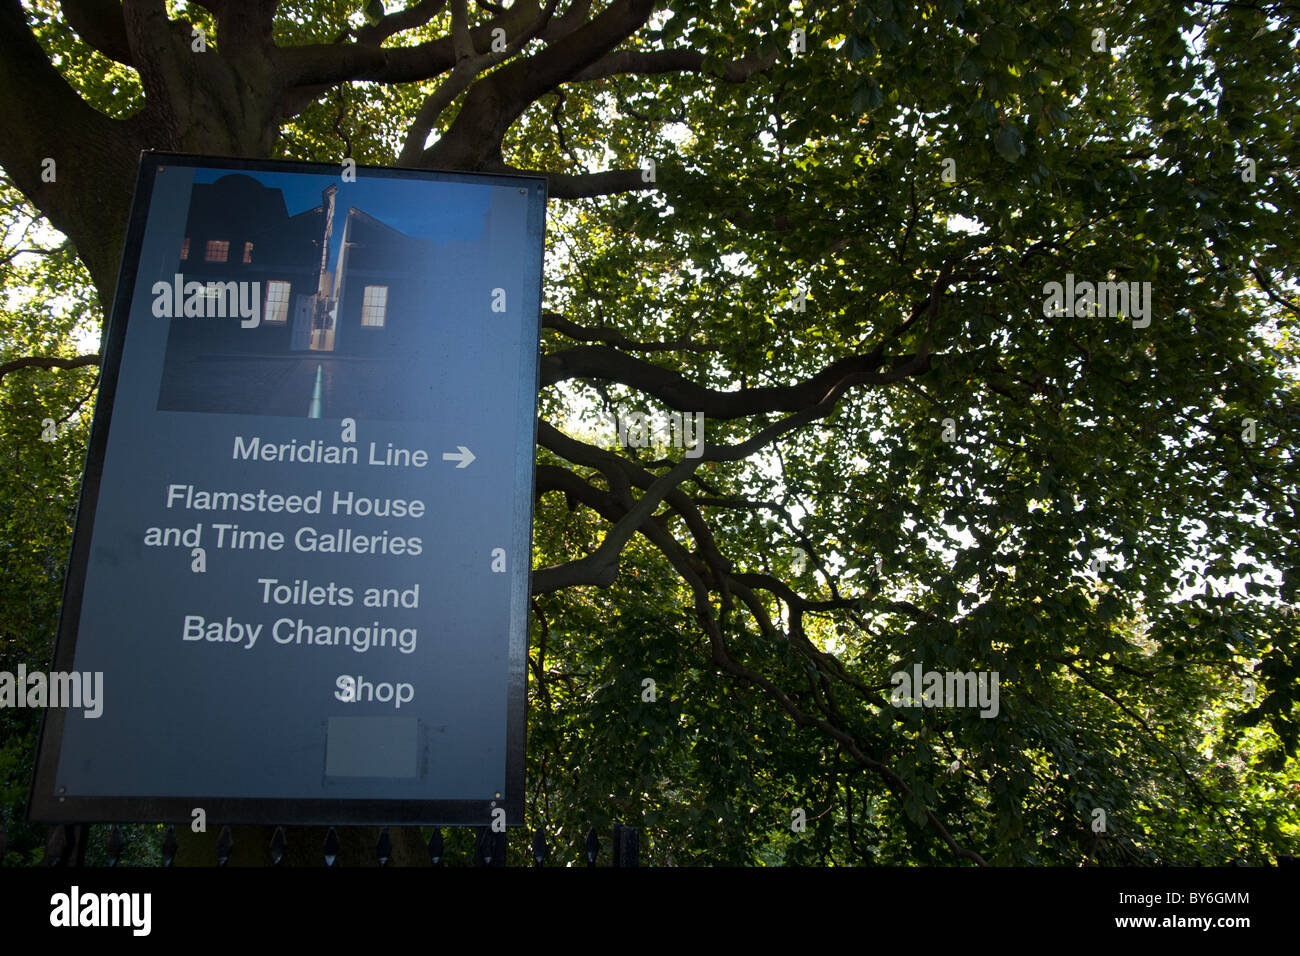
(540, 850)
(435, 846)
(170, 846)
(78, 834)
(627, 846)
(225, 844)
(277, 846)
(56, 845)
(331, 847)
(593, 846)
(384, 847)
(489, 847)
(116, 844)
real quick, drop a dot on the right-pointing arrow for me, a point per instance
(464, 456)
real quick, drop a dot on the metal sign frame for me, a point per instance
(47, 804)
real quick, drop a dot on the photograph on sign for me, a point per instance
(301, 561)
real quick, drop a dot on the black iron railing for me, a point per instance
(66, 844)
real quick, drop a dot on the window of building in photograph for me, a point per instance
(373, 306)
(277, 301)
(218, 250)
(185, 248)
(248, 252)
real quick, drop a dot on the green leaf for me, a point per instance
(867, 95)
(1008, 143)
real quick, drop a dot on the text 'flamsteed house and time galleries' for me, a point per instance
(263, 522)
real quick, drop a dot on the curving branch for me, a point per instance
(675, 390)
(48, 120)
(492, 105)
(101, 25)
(44, 361)
(656, 62)
(601, 566)
(583, 185)
(318, 64)
(582, 333)
(416, 15)
(469, 65)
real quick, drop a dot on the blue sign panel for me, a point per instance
(302, 556)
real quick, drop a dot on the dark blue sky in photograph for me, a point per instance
(439, 211)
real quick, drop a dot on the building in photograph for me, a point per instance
(338, 289)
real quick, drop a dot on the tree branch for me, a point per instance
(469, 65)
(601, 566)
(654, 62)
(47, 361)
(416, 15)
(678, 392)
(583, 185)
(492, 105)
(582, 333)
(328, 63)
(101, 25)
(46, 119)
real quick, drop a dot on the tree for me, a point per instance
(855, 242)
